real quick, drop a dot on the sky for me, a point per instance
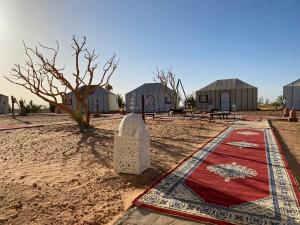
(253, 40)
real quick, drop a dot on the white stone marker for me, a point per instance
(131, 145)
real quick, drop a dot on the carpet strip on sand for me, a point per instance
(239, 177)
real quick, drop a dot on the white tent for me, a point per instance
(3, 104)
(223, 94)
(106, 100)
(157, 98)
(291, 93)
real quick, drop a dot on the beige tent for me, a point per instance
(227, 95)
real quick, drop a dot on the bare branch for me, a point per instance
(168, 81)
(42, 77)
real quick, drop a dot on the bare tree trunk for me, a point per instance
(81, 122)
(87, 118)
(87, 114)
(175, 101)
(81, 128)
(78, 117)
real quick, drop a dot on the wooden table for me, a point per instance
(150, 114)
(222, 115)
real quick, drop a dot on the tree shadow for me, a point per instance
(148, 177)
(23, 121)
(94, 141)
(173, 151)
(159, 167)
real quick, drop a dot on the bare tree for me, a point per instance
(169, 81)
(41, 76)
(109, 87)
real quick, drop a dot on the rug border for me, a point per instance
(293, 179)
(176, 213)
(184, 215)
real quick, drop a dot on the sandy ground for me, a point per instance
(55, 175)
(33, 119)
(265, 113)
(288, 134)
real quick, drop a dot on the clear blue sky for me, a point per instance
(255, 41)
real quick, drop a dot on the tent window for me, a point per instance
(168, 100)
(203, 98)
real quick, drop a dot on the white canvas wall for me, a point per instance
(292, 95)
(153, 93)
(113, 102)
(107, 101)
(244, 98)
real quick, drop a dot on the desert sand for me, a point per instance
(56, 175)
(34, 119)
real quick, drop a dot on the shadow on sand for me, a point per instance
(23, 121)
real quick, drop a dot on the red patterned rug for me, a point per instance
(240, 177)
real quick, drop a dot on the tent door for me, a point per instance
(150, 104)
(225, 101)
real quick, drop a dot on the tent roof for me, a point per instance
(295, 83)
(152, 86)
(3, 95)
(82, 88)
(226, 84)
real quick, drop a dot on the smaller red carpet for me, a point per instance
(12, 126)
(239, 177)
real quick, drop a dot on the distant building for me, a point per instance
(106, 100)
(156, 97)
(3, 104)
(227, 95)
(291, 93)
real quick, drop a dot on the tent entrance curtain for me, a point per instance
(225, 101)
(150, 104)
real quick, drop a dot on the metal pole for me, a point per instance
(179, 82)
(143, 108)
(12, 107)
(292, 95)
